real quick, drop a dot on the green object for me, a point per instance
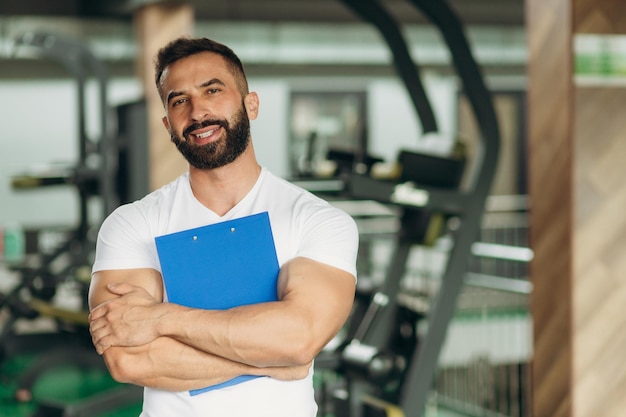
(64, 385)
(14, 243)
(600, 55)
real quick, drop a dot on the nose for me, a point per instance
(199, 110)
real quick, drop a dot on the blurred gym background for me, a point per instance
(499, 295)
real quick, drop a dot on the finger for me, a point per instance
(98, 330)
(96, 314)
(95, 326)
(103, 315)
(101, 308)
(100, 349)
(96, 339)
(103, 343)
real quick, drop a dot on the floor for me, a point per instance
(75, 382)
(77, 385)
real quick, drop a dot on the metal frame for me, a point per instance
(79, 61)
(94, 174)
(467, 206)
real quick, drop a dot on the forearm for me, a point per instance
(169, 365)
(314, 302)
(258, 335)
(289, 332)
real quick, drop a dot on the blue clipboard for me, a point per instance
(220, 266)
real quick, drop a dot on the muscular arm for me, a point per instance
(164, 362)
(169, 365)
(314, 302)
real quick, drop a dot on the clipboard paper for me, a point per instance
(220, 266)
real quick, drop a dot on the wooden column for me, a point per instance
(156, 25)
(550, 115)
(577, 162)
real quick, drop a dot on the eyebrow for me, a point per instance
(212, 81)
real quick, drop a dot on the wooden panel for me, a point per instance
(578, 227)
(155, 26)
(600, 16)
(600, 245)
(550, 187)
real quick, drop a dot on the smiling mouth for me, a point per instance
(206, 134)
(201, 138)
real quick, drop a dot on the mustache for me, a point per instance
(203, 124)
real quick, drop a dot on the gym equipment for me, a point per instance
(383, 357)
(95, 175)
(92, 176)
(94, 172)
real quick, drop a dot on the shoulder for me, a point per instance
(148, 208)
(307, 207)
(166, 193)
(158, 198)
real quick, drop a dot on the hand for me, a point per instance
(130, 319)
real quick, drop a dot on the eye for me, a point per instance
(177, 102)
(213, 90)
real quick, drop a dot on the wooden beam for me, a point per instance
(550, 114)
(155, 26)
(577, 225)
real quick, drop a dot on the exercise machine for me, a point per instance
(387, 364)
(95, 175)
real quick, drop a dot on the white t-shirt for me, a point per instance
(303, 225)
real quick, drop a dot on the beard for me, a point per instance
(222, 152)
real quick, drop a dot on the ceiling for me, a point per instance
(471, 12)
(107, 26)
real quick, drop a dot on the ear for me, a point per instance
(166, 123)
(251, 101)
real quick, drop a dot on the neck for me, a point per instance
(220, 189)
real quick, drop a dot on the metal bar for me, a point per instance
(374, 13)
(378, 333)
(77, 58)
(493, 282)
(451, 28)
(504, 252)
(419, 376)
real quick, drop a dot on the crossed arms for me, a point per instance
(167, 346)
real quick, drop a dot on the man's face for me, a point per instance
(219, 153)
(206, 116)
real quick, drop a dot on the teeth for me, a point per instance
(206, 134)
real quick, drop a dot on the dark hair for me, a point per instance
(183, 47)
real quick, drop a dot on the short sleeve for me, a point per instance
(331, 237)
(125, 242)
